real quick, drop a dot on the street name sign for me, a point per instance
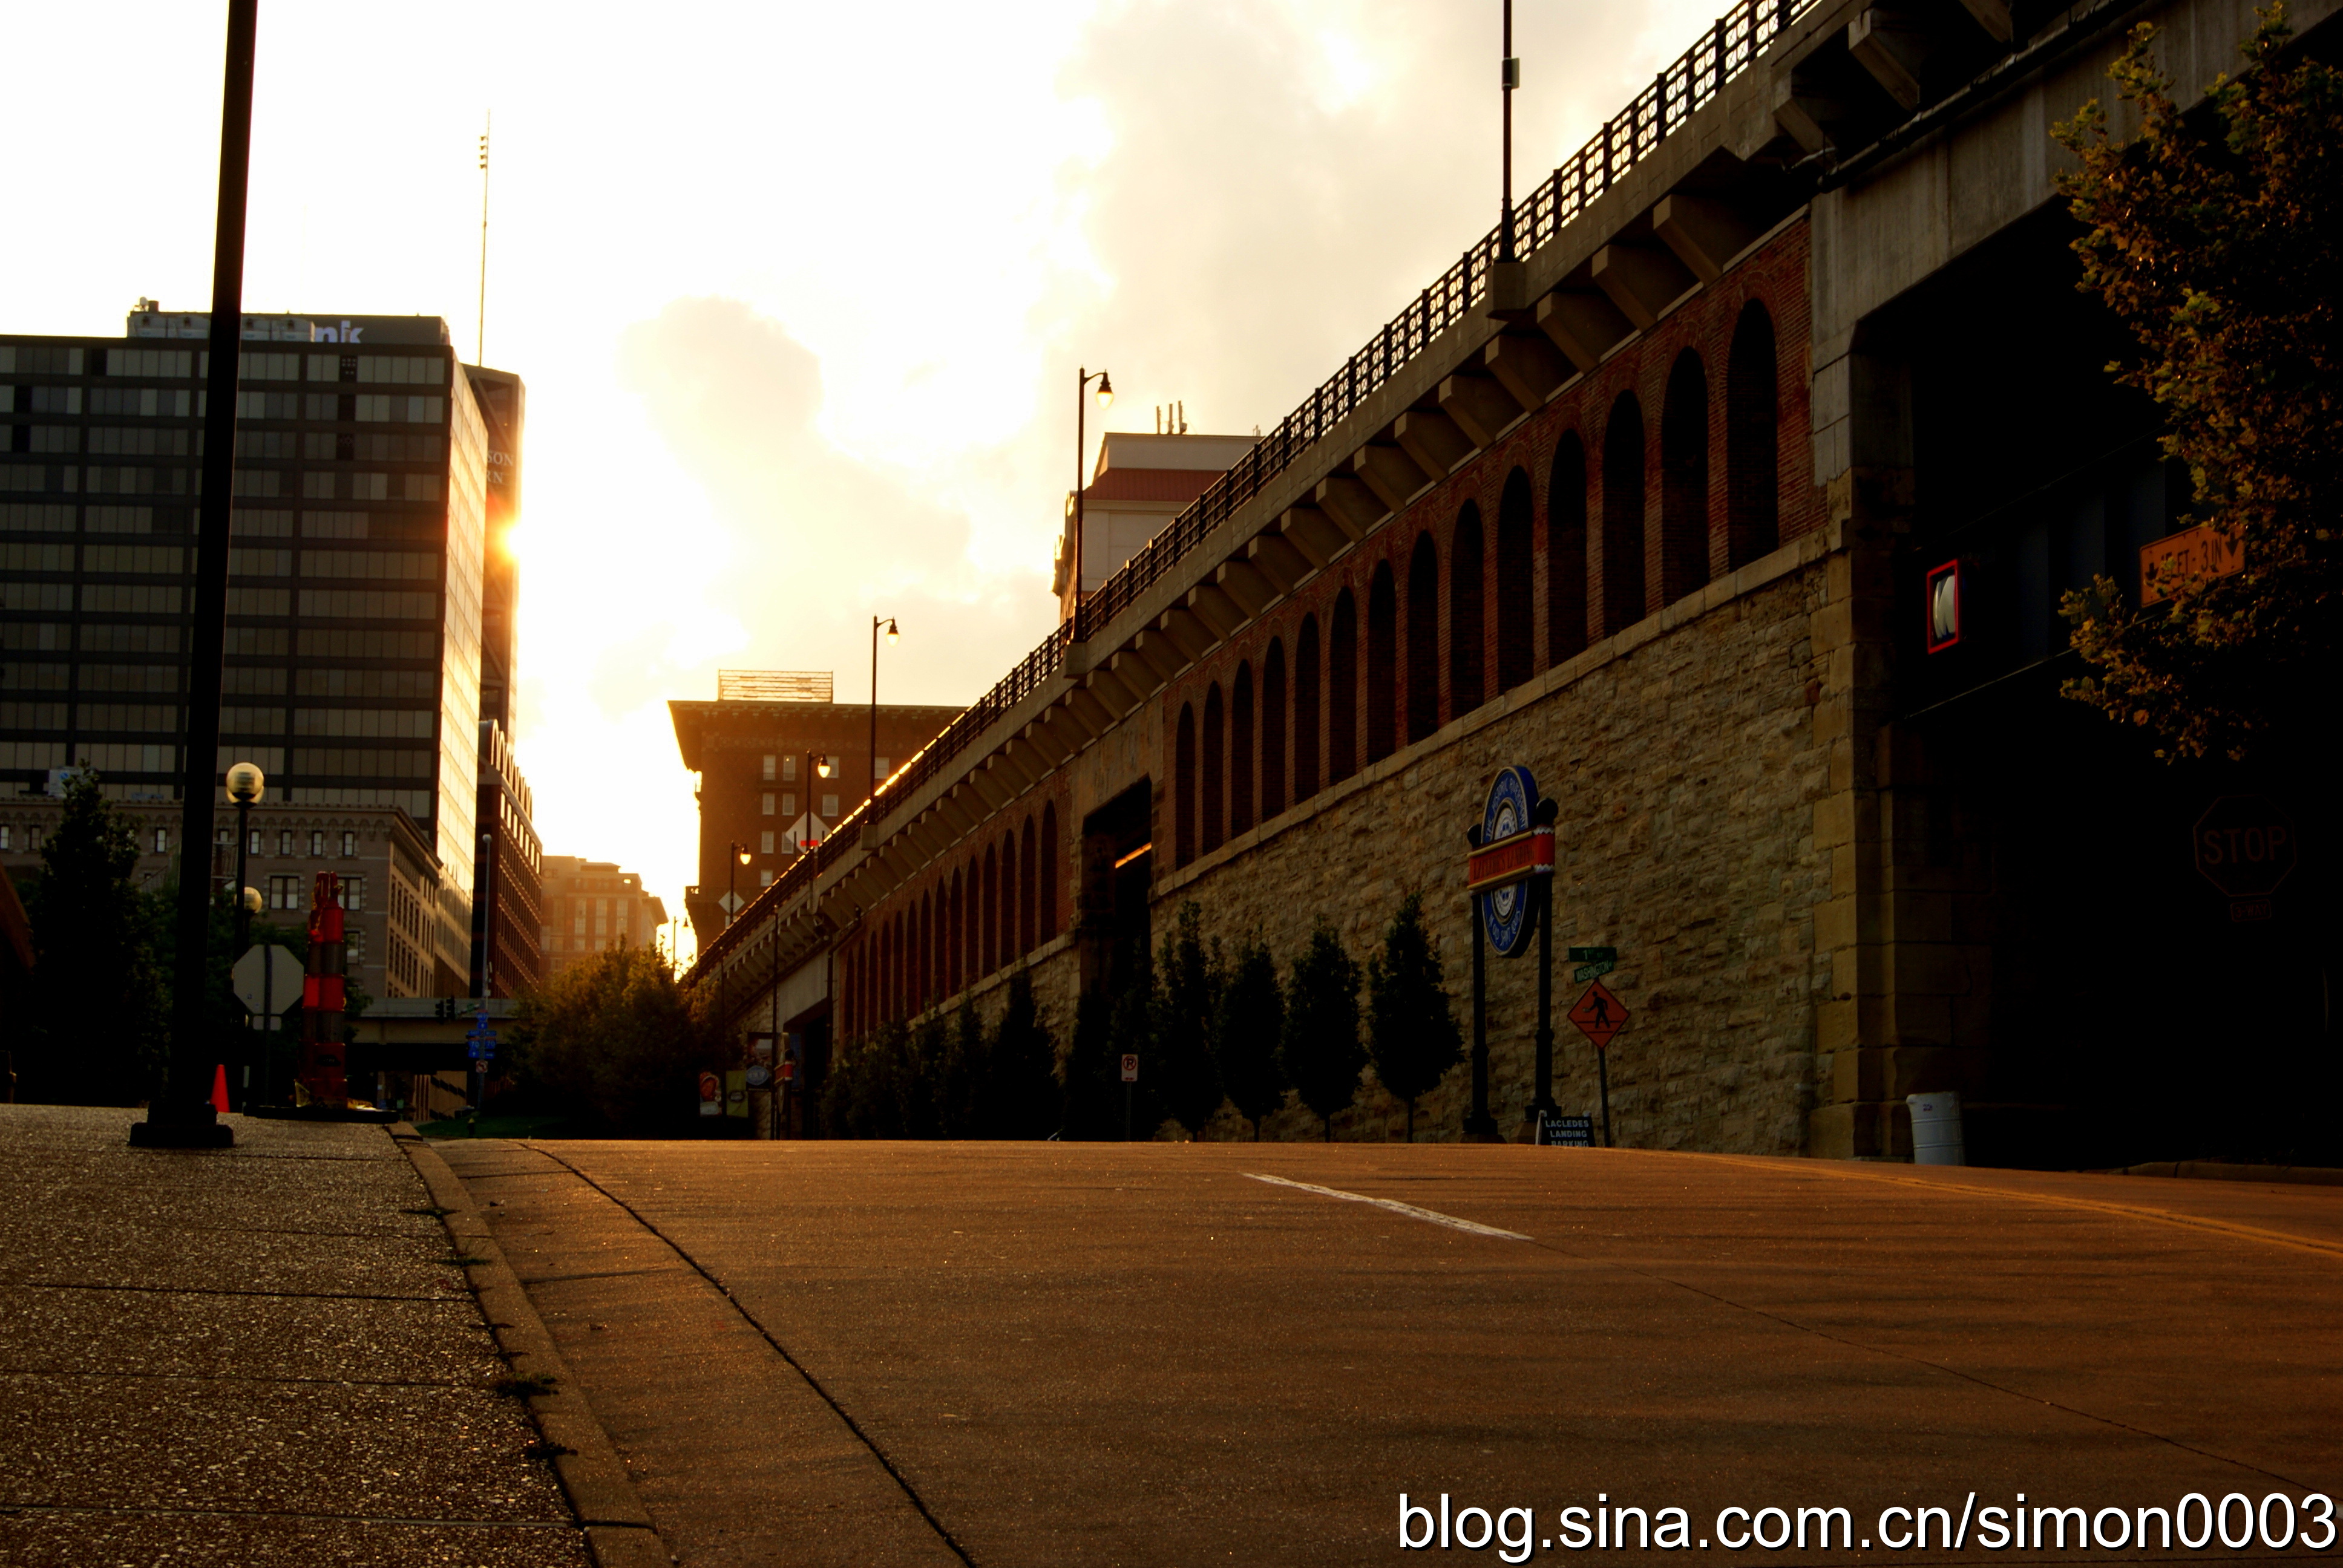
(1585, 972)
(1593, 955)
(1599, 1015)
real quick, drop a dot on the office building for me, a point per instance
(758, 749)
(508, 909)
(592, 906)
(1141, 482)
(356, 664)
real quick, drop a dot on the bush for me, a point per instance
(1249, 1018)
(1412, 1033)
(613, 1045)
(1318, 1051)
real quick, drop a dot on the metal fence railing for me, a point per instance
(1722, 53)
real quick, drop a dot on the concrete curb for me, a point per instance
(2219, 1170)
(618, 1528)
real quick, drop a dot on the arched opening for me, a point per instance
(973, 940)
(1466, 588)
(1343, 687)
(1048, 871)
(988, 937)
(1305, 709)
(1009, 895)
(1214, 825)
(894, 968)
(1183, 788)
(1516, 602)
(1683, 480)
(1565, 552)
(1623, 515)
(1272, 730)
(1423, 638)
(1240, 751)
(1382, 664)
(1027, 908)
(955, 941)
(1753, 480)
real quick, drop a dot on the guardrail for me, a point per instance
(1723, 53)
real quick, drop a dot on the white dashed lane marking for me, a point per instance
(1431, 1216)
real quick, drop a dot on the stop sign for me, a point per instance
(2245, 846)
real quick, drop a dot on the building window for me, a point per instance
(765, 844)
(349, 845)
(33, 839)
(285, 840)
(162, 841)
(765, 879)
(880, 767)
(353, 946)
(285, 892)
(220, 838)
(830, 806)
(6, 832)
(769, 802)
(789, 769)
(252, 843)
(354, 893)
(771, 764)
(316, 843)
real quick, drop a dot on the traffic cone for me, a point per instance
(219, 1088)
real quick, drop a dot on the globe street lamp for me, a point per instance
(1081, 442)
(893, 637)
(246, 786)
(732, 870)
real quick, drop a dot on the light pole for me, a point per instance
(1509, 77)
(245, 787)
(1081, 444)
(731, 893)
(893, 636)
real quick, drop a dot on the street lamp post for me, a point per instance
(731, 892)
(245, 787)
(1082, 445)
(1509, 77)
(893, 636)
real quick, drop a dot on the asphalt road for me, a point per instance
(818, 1353)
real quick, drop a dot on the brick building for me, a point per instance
(592, 907)
(508, 900)
(758, 749)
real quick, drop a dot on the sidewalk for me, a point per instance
(259, 1355)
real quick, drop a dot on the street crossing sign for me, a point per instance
(1599, 1015)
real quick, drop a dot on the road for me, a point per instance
(1069, 1355)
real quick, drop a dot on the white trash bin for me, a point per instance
(1936, 1129)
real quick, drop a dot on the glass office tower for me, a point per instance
(356, 577)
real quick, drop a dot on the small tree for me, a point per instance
(2219, 241)
(1250, 1019)
(613, 1043)
(1019, 1099)
(98, 1005)
(1188, 984)
(1318, 1051)
(1412, 1033)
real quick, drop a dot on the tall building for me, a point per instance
(355, 661)
(508, 900)
(592, 907)
(758, 749)
(1141, 482)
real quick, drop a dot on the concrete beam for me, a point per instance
(1480, 406)
(1893, 47)
(994, 793)
(1993, 15)
(1279, 560)
(1350, 505)
(1252, 590)
(1047, 744)
(1316, 536)
(1114, 695)
(927, 833)
(1435, 441)
(1641, 283)
(1135, 675)
(1584, 325)
(1185, 631)
(955, 812)
(1809, 118)
(1704, 234)
(1526, 366)
(1386, 470)
(1211, 604)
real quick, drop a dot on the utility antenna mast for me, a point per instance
(480, 347)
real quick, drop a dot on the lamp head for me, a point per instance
(893, 636)
(821, 767)
(1105, 391)
(740, 853)
(246, 784)
(252, 900)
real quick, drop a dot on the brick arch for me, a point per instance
(1183, 787)
(1624, 601)
(1211, 795)
(1027, 908)
(1467, 603)
(1272, 730)
(1516, 598)
(988, 933)
(1752, 486)
(1383, 663)
(1241, 750)
(1006, 947)
(1048, 870)
(1307, 705)
(1565, 550)
(1684, 479)
(1342, 686)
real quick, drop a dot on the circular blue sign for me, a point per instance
(1505, 912)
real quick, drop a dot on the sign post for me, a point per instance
(1509, 877)
(2245, 846)
(268, 981)
(1129, 1077)
(1599, 1015)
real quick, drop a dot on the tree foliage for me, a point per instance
(99, 1015)
(1412, 1034)
(1188, 982)
(2216, 238)
(1249, 1020)
(1318, 1049)
(614, 1045)
(950, 1077)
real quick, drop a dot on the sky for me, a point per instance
(800, 290)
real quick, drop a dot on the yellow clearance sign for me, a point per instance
(2192, 555)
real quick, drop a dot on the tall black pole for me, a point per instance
(243, 844)
(1509, 76)
(182, 1116)
(1479, 1127)
(1081, 440)
(1543, 892)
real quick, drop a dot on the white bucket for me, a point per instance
(1936, 1129)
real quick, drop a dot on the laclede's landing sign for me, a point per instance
(1511, 851)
